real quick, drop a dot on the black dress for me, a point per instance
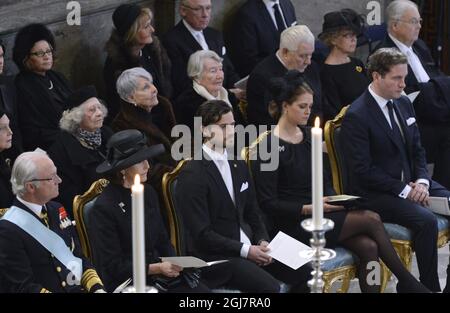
(6, 195)
(76, 165)
(41, 101)
(282, 193)
(112, 236)
(341, 85)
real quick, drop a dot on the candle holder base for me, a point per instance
(148, 289)
(318, 253)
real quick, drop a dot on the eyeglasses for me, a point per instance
(54, 178)
(41, 54)
(198, 9)
(413, 21)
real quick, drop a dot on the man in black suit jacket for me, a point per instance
(190, 35)
(432, 106)
(295, 52)
(25, 264)
(255, 34)
(387, 162)
(219, 206)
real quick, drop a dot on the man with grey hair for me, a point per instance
(191, 34)
(386, 161)
(431, 105)
(295, 52)
(39, 248)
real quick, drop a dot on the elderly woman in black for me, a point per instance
(6, 195)
(343, 77)
(284, 193)
(81, 145)
(132, 44)
(143, 109)
(206, 71)
(111, 220)
(42, 92)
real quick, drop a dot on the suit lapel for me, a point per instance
(266, 18)
(188, 38)
(236, 183)
(379, 117)
(213, 171)
(406, 133)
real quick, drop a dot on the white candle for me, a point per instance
(317, 175)
(137, 197)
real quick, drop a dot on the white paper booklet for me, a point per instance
(241, 84)
(439, 205)
(190, 261)
(289, 251)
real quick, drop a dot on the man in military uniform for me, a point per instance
(39, 248)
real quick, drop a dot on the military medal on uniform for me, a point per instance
(64, 220)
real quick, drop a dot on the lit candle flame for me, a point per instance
(317, 122)
(137, 180)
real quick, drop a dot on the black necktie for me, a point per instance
(278, 18)
(394, 125)
(44, 216)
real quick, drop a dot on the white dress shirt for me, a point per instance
(269, 5)
(413, 61)
(198, 35)
(382, 103)
(221, 161)
(35, 208)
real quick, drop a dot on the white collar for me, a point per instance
(35, 208)
(214, 155)
(280, 59)
(401, 46)
(382, 102)
(191, 30)
(269, 3)
(202, 91)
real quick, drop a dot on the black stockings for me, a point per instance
(363, 233)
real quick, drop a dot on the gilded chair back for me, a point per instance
(82, 210)
(175, 220)
(333, 139)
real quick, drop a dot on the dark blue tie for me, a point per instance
(399, 138)
(278, 18)
(394, 125)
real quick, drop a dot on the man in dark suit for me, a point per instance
(432, 105)
(295, 52)
(256, 30)
(218, 203)
(383, 150)
(190, 35)
(39, 248)
(9, 105)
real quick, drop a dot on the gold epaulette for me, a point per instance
(43, 290)
(89, 279)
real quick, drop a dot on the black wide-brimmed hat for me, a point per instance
(126, 148)
(80, 95)
(25, 40)
(345, 18)
(124, 16)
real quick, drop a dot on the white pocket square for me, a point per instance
(294, 23)
(224, 50)
(244, 186)
(410, 121)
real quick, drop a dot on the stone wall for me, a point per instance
(80, 48)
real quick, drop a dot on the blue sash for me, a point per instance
(46, 237)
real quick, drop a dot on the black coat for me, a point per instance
(211, 218)
(259, 96)
(8, 102)
(254, 35)
(76, 165)
(40, 108)
(6, 195)
(112, 229)
(154, 60)
(26, 266)
(180, 44)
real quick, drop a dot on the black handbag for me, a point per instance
(189, 276)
